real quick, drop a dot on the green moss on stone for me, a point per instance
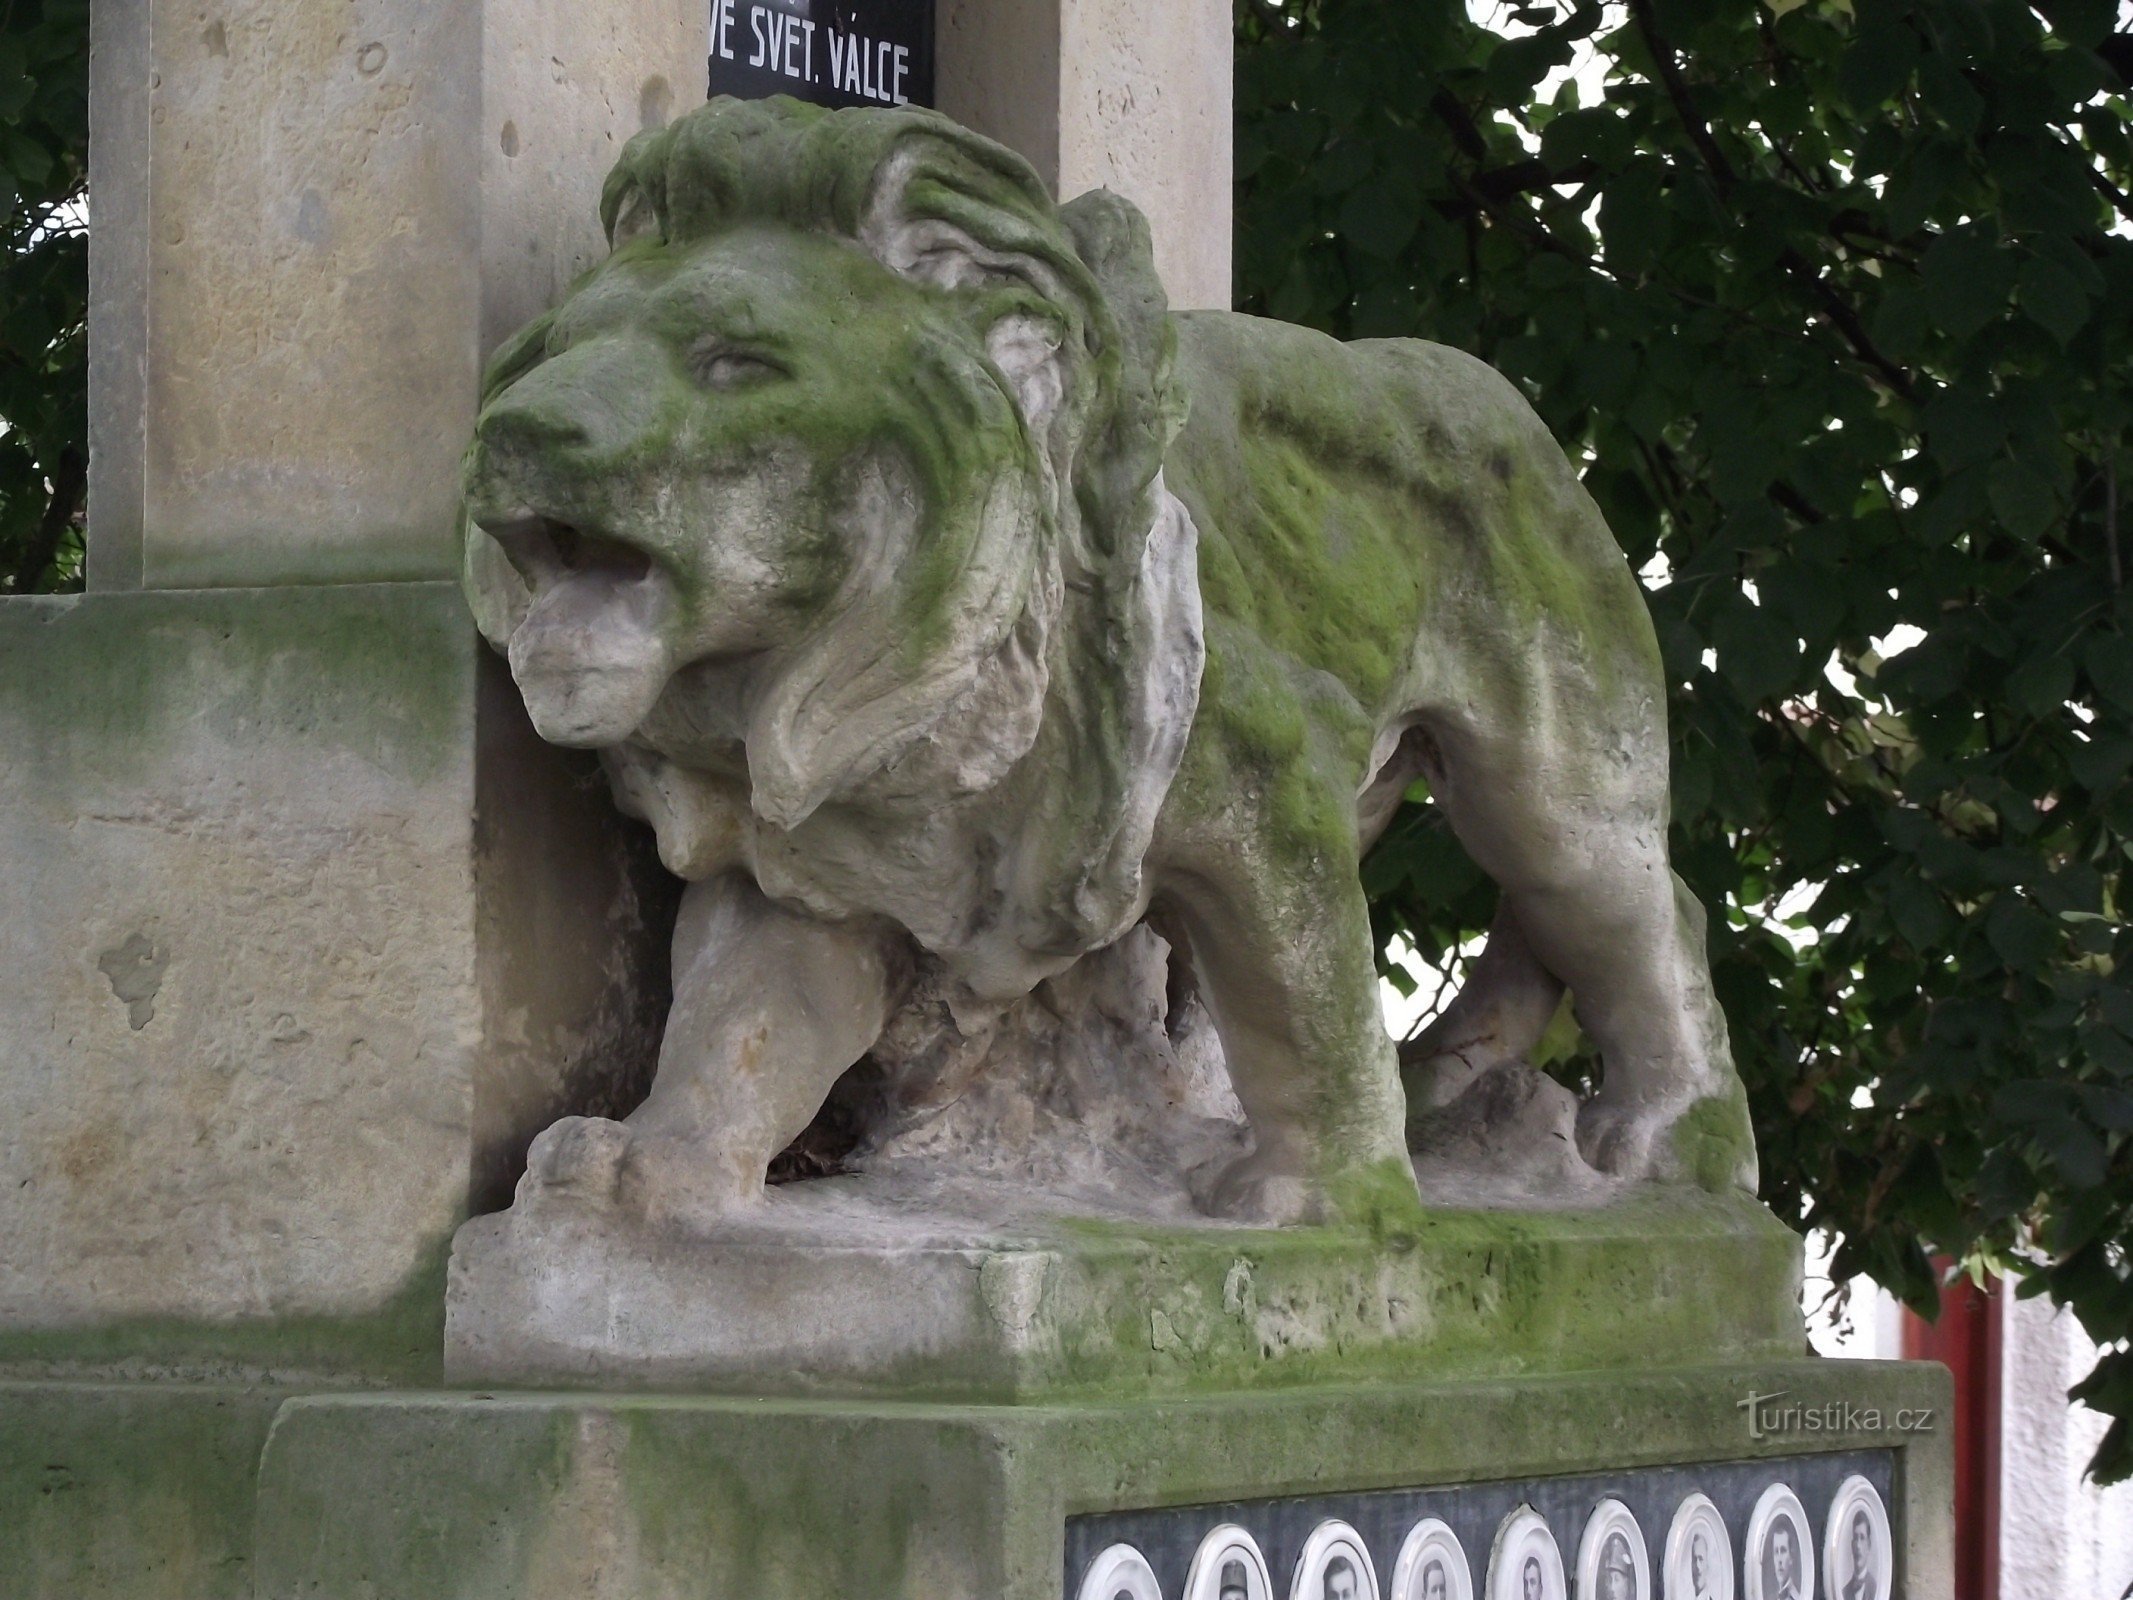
(1714, 1141)
(1672, 1276)
(523, 1497)
(400, 1342)
(108, 682)
(129, 1491)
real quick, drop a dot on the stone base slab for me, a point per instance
(127, 1493)
(814, 1294)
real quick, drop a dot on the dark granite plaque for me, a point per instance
(1475, 1512)
(826, 52)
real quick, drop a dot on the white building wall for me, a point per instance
(2061, 1538)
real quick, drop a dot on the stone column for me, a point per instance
(303, 933)
(310, 223)
(1110, 94)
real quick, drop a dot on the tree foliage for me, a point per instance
(1834, 301)
(44, 284)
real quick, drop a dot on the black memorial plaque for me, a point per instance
(826, 52)
(1167, 1538)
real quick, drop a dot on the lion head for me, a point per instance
(853, 419)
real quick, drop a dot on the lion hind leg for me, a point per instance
(1571, 823)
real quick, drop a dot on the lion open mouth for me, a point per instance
(547, 549)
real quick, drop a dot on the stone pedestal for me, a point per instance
(825, 1292)
(522, 1496)
(305, 933)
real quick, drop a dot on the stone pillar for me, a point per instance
(310, 223)
(303, 933)
(1110, 94)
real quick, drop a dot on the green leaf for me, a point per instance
(2023, 936)
(1757, 652)
(2022, 498)
(1381, 217)
(27, 159)
(1918, 913)
(2108, 658)
(1880, 64)
(2042, 684)
(2053, 298)
(1967, 278)
(2099, 762)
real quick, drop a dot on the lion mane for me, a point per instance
(1067, 622)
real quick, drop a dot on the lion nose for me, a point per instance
(592, 402)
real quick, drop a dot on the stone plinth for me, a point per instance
(146, 1492)
(285, 986)
(827, 1291)
(607, 1497)
(130, 1491)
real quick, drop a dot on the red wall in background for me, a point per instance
(1966, 1340)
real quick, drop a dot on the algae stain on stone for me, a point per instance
(1714, 1142)
(134, 969)
(585, 1547)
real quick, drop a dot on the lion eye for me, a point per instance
(717, 367)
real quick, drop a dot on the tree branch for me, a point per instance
(70, 479)
(1677, 90)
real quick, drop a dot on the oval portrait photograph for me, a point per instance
(1778, 1558)
(1431, 1565)
(1228, 1566)
(1699, 1553)
(1858, 1551)
(1524, 1563)
(1119, 1573)
(1334, 1566)
(1613, 1563)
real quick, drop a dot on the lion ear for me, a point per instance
(1147, 405)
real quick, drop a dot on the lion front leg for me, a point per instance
(770, 1007)
(1280, 945)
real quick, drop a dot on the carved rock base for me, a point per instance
(851, 1286)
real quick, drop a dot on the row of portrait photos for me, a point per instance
(1774, 1561)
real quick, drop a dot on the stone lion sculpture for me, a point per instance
(948, 607)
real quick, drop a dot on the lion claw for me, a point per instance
(1618, 1140)
(611, 1167)
(578, 1158)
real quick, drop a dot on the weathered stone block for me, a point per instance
(1105, 94)
(821, 1293)
(605, 1497)
(283, 990)
(127, 1491)
(308, 220)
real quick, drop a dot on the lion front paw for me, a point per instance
(597, 1164)
(577, 1159)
